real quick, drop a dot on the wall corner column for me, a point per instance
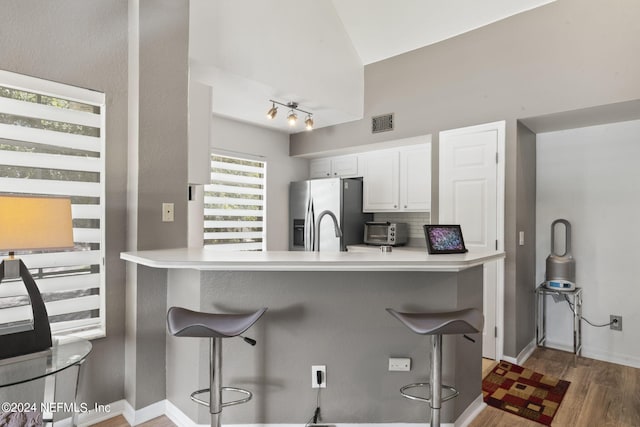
(157, 173)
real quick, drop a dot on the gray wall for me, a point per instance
(521, 306)
(337, 319)
(160, 175)
(85, 44)
(162, 139)
(567, 55)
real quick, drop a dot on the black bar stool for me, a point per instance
(188, 323)
(467, 321)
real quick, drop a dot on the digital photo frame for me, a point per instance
(444, 239)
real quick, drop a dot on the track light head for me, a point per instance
(272, 112)
(308, 123)
(292, 118)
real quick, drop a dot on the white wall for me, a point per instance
(273, 147)
(591, 177)
(251, 51)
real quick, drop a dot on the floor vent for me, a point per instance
(382, 123)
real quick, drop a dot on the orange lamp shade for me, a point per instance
(35, 223)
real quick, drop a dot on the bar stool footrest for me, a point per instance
(452, 392)
(224, 404)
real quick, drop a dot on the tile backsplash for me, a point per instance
(415, 220)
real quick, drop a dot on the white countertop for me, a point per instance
(359, 258)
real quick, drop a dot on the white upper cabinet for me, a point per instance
(340, 166)
(320, 168)
(380, 176)
(397, 180)
(394, 179)
(415, 178)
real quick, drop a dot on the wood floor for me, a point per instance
(120, 421)
(601, 394)
(487, 366)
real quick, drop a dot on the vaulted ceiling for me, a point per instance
(314, 51)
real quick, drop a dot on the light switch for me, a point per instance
(521, 238)
(167, 212)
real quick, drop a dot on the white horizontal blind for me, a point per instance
(234, 205)
(52, 143)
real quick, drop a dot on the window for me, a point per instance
(234, 205)
(52, 143)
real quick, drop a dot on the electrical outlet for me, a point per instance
(616, 322)
(167, 212)
(322, 369)
(399, 364)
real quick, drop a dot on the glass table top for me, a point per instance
(65, 352)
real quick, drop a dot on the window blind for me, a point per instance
(52, 143)
(234, 205)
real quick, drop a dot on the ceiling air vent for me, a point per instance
(382, 123)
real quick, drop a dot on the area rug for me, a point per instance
(524, 392)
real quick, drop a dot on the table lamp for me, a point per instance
(31, 223)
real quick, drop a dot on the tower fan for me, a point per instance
(561, 268)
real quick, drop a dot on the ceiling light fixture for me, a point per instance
(272, 111)
(292, 117)
(308, 123)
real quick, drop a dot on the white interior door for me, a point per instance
(471, 194)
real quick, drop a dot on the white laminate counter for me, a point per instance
(400, 259)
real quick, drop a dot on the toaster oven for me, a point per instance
(385, 233)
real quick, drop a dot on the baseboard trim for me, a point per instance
(523, 355)
(472, 411)
(94, 416)
(625, 360)
(180, 419)
(604, 356)
(135, 417)
(337, 425)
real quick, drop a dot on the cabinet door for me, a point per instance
(341, 166)
(380, 181)
(199, 145)
(344, 166)
(320, 168)
(415, 178)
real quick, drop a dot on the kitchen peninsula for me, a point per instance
(325, 308)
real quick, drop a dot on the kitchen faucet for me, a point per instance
(336, 227)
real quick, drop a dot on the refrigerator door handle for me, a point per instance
(307, 227)
(313, 227)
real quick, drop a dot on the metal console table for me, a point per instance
(574, 298)
(65, 353)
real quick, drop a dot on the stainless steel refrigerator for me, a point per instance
(308, 199)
